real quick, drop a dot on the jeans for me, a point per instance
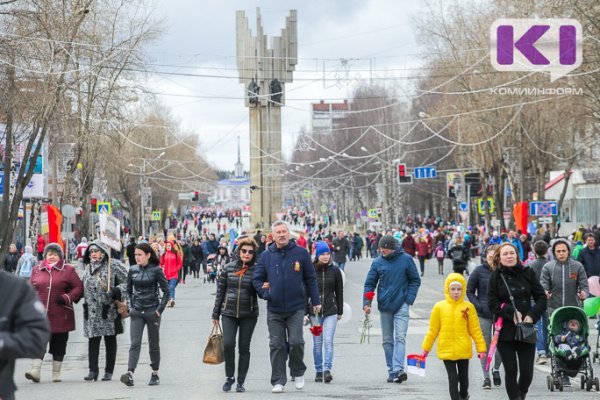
(172, 286)
(230, 331)
(139, 319)
(341, 265)
(524, 366)
(486, 325)
(541, 345)
(110, 343)
(422, 264)
(458, 374)
(279, 324)
(393, 332)
(329, 324)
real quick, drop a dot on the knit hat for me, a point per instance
(321, 248)
(55, 247)
(387, 242)
(455, 283)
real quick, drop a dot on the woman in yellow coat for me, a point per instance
(455, 322)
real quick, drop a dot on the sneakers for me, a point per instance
(401, 377)
(319, 377)
(542, 359)
(327, 376)
(240, 388)
(154, 380)
(172, 303)
(127, 378)
(390, 378)
(496, 378)
(277, 389)
(228, 383)
(487, 384)
(299, 382)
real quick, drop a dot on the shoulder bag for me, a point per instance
(122, 306)
(525, 331)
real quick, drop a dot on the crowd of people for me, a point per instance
(302, 281)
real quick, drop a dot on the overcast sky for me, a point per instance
(200, 39)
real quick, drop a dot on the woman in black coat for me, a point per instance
(237, 305)
(524, 286)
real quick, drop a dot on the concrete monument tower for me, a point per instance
(264, 72)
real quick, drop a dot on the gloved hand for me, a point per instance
(482, 355)
(114, 293)
(61, 301)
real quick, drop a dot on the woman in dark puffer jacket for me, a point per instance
(237, 305)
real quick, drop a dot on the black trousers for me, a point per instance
(230, 331)
(518, 358)
(110, 343)
(458, 376)
(58, 345)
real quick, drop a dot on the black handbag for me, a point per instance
(525, 331)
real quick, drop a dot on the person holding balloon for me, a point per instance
(331, 290)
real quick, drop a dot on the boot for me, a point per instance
(34, 373)
(56, 367)
(523, 395)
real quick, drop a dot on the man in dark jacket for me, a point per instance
(394, 275)
(408, 244)
(589, 256)
(24, 330)
(130, 251)
(284, 276)
(540, 248)
(341, 249)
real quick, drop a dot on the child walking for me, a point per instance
(455, 322)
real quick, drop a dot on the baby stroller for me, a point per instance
(211, 271)
(563, 366)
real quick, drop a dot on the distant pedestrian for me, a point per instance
(393, 275)
(285, 277)
(455, 322)
(26, 264)
(11, 259)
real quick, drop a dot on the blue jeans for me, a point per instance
(172, 286)
(393, 332)
(541, 344)
(329, 324)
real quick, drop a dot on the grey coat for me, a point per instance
(564, 281)
(100, 316)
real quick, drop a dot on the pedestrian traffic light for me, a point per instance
(93, 205)
(195, 198)
(403, 177)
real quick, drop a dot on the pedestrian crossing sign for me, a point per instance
(103, 207)
(156, 216)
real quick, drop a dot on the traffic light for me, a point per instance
(403, 177)
(195, 198)
(93, 205)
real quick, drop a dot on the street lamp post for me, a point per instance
(142, 187)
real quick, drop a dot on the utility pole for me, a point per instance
(521, 164)
(142, 205)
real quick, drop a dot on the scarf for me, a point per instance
(241, 272)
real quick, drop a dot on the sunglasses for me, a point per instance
(245, 251)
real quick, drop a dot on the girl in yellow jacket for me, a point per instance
(455, 322)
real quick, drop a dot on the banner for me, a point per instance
(110, 231)
(55, 220)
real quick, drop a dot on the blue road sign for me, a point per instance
(463, 206)
(425, 172)
(543, 208)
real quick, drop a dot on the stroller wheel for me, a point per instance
(588, 384)
(550, 383)
(597, 384)
(560, 384)
(582, 382)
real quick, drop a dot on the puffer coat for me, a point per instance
(455, 324)
(236, 296)
(100, 317)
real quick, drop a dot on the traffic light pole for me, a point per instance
(143, 169)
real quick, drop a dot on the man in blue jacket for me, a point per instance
(394, 275)
(284, 276)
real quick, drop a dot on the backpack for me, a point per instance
(440, 253)
(27, 267)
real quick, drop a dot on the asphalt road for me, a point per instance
(359, 370)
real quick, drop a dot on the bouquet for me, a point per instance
(316, 329)
(365, 334)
